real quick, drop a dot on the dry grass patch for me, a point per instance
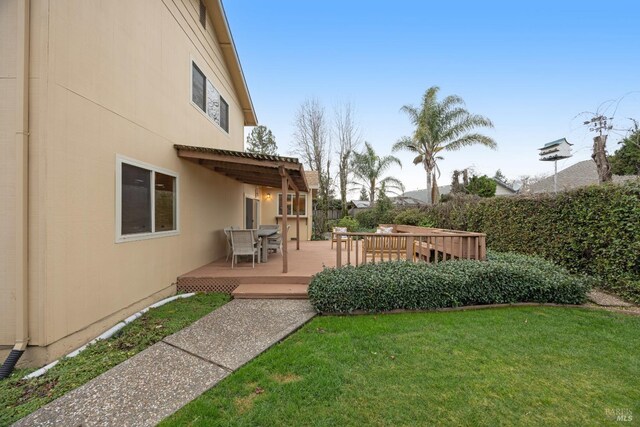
(244, 404)
(286, 378)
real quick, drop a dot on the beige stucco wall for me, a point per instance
(501, 191)
(268, 215)
(113, 78)
(8, 24)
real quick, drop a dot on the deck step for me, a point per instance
(274, 291)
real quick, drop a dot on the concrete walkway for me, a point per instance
(163, 378)
(610, 302)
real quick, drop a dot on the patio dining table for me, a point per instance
(264, 234)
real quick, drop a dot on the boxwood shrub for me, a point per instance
(503, 278)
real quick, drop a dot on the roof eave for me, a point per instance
(216, 12)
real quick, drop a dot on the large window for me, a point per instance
(146, 201)
(294, 204)
(205, 96)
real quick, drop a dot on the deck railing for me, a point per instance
(415, 244)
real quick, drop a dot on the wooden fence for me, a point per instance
(415, 244)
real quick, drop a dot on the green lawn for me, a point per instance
(19, 397)
(517, 366)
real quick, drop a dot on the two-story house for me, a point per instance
(100, 211)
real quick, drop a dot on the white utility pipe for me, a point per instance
(108, 334)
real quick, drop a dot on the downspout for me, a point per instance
(22, 190)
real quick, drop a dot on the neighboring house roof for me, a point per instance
(216, 12)
(578, 175)
(421, 195)
(313, 180)
(256, 169)
(359, 204)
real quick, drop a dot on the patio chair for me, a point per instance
(274, 242)
(227, 234)
(244, 242)
(343, 239)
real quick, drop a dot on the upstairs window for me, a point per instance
(198, 88)
(203, 15)
(224, 115)
(205, 96)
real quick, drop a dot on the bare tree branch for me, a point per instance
(348, 138)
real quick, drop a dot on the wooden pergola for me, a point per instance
(256, 169)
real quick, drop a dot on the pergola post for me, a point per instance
(298, 220)
(283, 205)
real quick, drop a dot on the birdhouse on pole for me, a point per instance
(554, 151)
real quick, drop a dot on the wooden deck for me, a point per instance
(266, 280)
(243, 281)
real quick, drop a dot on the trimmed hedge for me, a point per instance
(503, 278)
(593, 230)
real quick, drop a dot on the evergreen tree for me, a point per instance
(363, 194)
(262, 141)
(483, 186)
(626, 160)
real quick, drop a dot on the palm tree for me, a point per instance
(368, 169)
(441, 126)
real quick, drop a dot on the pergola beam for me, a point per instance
(198, 155)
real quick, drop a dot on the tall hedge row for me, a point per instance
(593, 230)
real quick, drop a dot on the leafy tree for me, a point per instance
(441, 126)
(482, 186)
(626, 159)
(262, 141)
(368, 169)
(383, 206)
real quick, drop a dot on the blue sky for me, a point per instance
(531, 67)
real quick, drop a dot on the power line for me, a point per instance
(599, 124)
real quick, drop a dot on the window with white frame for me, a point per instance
(205, 96)
(146, 201)
(294, 204)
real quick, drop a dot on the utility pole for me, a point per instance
(600, 124)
